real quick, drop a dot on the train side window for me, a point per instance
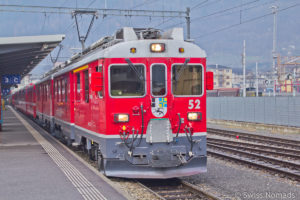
(48, 91)
(42, 92)
(126, 81)
(38, 93)
(56, 90)
(86, 85)
(66, 90)
(158, 83)
(100, 69)
(62, 90)
(78, 86)
(59, 91)
(45, 93)
(187, 80)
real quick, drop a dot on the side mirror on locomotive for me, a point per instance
(209, 80)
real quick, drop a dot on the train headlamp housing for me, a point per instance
(157, 47)
(121, 118)
(194, 116)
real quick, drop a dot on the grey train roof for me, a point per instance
(118, 46)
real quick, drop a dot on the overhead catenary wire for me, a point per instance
(199, 4)
(202, 4)
(193, 7)
(245, 21)
(214, 13)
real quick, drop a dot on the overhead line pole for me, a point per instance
(256, 77)
(188, 23)
(244, 69)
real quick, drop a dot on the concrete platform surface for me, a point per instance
(34, 166)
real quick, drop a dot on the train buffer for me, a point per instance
(34, 166)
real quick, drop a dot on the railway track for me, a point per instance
(282, 159)
(257, 148)
(171, 189)
(274, 141)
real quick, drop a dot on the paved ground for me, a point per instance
(31, 171)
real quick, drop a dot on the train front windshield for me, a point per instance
(127, 81)
(187, 80)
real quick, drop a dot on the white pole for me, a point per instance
(294, 82)
(256, 75)
(274, 11)
(244, 69)
(217, 71)
(274, 89)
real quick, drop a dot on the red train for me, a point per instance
(136, 101)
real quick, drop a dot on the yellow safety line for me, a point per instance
(84, 187)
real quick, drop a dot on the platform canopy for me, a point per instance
(19, 55)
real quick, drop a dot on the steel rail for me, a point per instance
(271, 160)
(292, 175)
(256, 135)
(291, 151)
(257, 138)
(170, 189)
(245, 146)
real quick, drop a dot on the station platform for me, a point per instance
(34, 166)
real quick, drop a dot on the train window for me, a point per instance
(54, 90)
(187, 80)
(100, 69)
(158, 84)
(62, 99)
(78, 86)
(48, 91)
(86, 85)
(66, 90)
(126, 81)
(58, 91)
(42, 92)
(38, 92)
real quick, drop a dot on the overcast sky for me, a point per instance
(218, 26)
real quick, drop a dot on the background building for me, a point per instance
(222, 76)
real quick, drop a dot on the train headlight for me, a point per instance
(194, 116)
(121, 118)
(157, 47)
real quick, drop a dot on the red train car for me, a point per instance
(135, 100)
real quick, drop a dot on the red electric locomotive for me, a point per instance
(135, 100)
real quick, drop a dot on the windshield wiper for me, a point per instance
(178, 75)
(139, 75)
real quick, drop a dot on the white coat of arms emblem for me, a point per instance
(159, 106)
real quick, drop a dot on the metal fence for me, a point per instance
(267, 110)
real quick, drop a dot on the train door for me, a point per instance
(97, 102)
(159, 88)
(82, 97)
(160, 102)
